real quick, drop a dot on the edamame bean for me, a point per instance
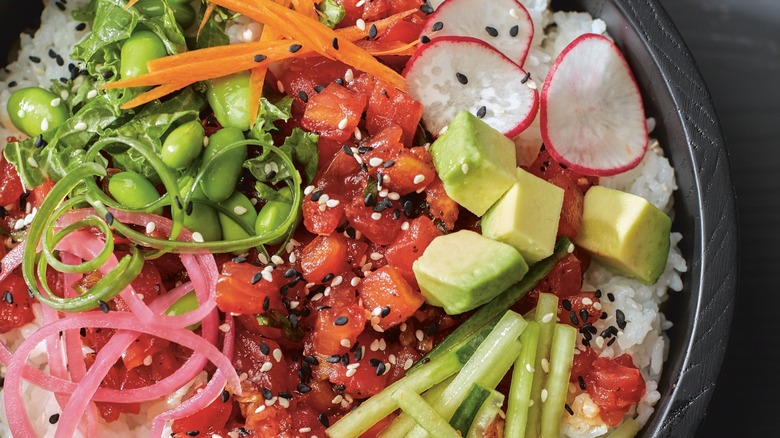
(35, 110)
(203, 219)
(185, 304)
(229, 98)
(273, 214)
(183, 145)
(240, 205)
(142, 47)
(133, 190)
(219, 180)
(183, 11)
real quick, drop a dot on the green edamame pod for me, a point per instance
(133, 190)
(240, 205)
(273, 214)
(183, 11)
(142, 47)
(35, 110)
(202, 219)
(187, 303)
(219, 180)
(229, 98)
(183, 145)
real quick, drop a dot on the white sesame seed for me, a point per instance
(376, 256)
(283, 402)
(92, 94)
(376, 216)
(259, 409)
(394, 196)
(353, 365)
(150, 227)
(599, 341)
(56, 101)
(545, 365)
(531, 84)
(597, 305)
(402, 327)
(464, 168)
(385, 179)
(405, 226)
(367, 267)
(529, 368)
(408, 364)
(360, 3)
(358, 135)
(224, 328)
(80, 126)
(337, 280)
(345, 343)
(443, 130)
(544, 395)
(323, 198)
(383, 193)
(419, 178)
(570, 249)
(148, 360)
(294, 304)
(375, 162)
(267, 367)
(275, 259)
(377, 311)
(382, 344)
(304, 430)
(419, 335)
(343, 123)
(332, 203)
(392, 359)
(349, 75)
(64, 94)
(253, 201)
(197, 237)
(317, 297)
(21, 113)
(267, 276)
(239, 210)
(327, 291)
(45, 124)
(262, 258)
(547, 317)
(377, 328)
(308, 190)
(360, 24)
(374, 345)
(355, 281)
(280, 86)
(31, 161)
(351, 372)
(587, 301)
(277, 355)
(243, 377)
(514, 13)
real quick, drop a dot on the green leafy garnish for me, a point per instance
(331, 13)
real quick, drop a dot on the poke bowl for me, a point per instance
(683, 129)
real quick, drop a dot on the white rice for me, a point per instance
(653, 179)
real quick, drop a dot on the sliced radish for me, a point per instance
(592, 116)
(504, 24)
(450, 74)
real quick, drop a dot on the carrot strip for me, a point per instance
(306, 7)
(212, 54)
(315, 35)
(206, 15)
(402, 50)
(257, 76)
(354, 33)
(154, 93)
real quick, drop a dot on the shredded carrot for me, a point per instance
(206, 15)
(306, 7)
(130, 4)
(315, 35)
(154, 93)
(257, 76)
(354, 33)
(402, 50)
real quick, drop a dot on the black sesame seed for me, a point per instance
(319, 88)
(396, 214)
(380, 369)
(303, 388)
(339, 81)
(293, 320)
(372, 31)
(12, 84)
(340, 388)
(424, 39)
(290, 273)
(311, 360)
(259, 58)
(303, 96)
(54, 419)
(581, 382)
(385, 311)
(347, 150)
(23, 200)
(481, 112)
(335, 43)
(611, 341)
(60, 61)
(566, 305)
(620, 318)
(345, 359)
(341, 320)
(364, 149)
(266, 303)
(239, 259)
(603, 315)
(323, 419)
(285, 394)
(597, 294)
(437, 26)
(3, 212)
(610, 297)
(426, 9)
(491, 31)
(108, 74)
(52, 54)
(103, 306)
(586, 342)
(225, 396)
(374, 362)
(316, 195)
(8, 297)
(81, 26)
(294, 48)
(35, 59)
(257, 277)
(333, 359)
(388, 163)
(463, 79)
(573, 318)
(370, 200)
(584, 315)
(178, 202)
(358, 354)
(267, 394)
(514, 30)
(60, 6)
(328, 277)
(568, 409)
(351, 232)
(83, 332)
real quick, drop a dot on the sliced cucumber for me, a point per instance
(522, 381)
(425, 416)
(557, 386)
(548, 304)
(486, 415)
(464, 415)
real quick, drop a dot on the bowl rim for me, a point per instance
(713, 269)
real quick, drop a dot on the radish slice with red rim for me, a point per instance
(504, 24)
(592, 116)
(451, 74)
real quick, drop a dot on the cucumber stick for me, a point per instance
(487, 366)
(486, 415)
(557, 386)
(627, 429)
(522, 380)
(547, 305)
(405, 423)
(425, 416)
(464, 415)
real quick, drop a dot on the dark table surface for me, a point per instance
(737, 46)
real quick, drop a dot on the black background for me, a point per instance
(737, 46)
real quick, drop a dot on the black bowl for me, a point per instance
(688, 129)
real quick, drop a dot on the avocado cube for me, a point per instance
(463, 270)
(625, 233)
(475, 162)
(526, 217)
